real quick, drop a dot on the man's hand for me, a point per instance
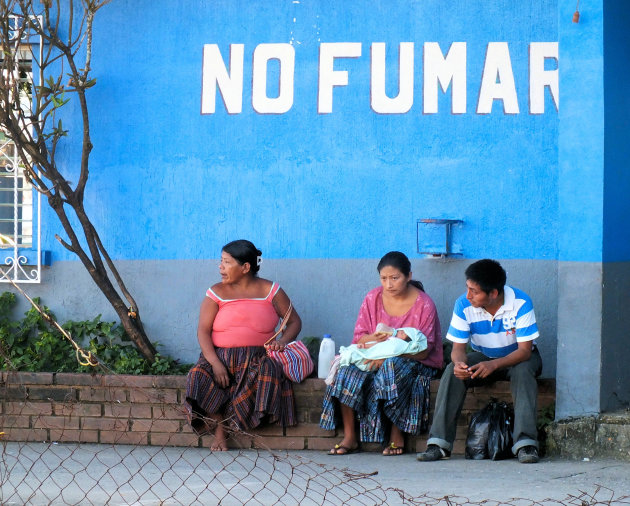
(482, 369)
(461, 370)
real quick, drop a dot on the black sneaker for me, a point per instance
(433, 453)
(528, 455)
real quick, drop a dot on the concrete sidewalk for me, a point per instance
(45, 473)
(467, 481)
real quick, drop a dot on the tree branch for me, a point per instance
(65, 244)
(37, 135)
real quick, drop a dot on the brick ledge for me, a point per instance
(147, 410)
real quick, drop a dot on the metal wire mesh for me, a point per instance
(94, 439)
(48, 473)
(38, 471)
(90, 474)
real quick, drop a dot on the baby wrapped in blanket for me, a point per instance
(406, 340)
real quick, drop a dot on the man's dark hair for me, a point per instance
(488, 274)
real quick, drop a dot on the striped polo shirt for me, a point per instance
(494, 335)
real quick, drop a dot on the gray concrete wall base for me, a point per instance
(578, 373)
(604, 436)
(592, 375)
(326, 292)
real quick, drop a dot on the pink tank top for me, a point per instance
(244, 322)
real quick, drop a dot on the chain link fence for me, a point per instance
(35, 471)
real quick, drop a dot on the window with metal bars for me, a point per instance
(19, 206)
(16, 199)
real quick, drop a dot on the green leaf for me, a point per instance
(59, 102)
(30, 344)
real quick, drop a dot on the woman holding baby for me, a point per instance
(392, 396)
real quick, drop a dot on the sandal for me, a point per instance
(393, 450)
(346, 450)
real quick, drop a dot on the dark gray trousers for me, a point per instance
(452, 392)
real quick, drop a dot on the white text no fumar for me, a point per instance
(438, 70)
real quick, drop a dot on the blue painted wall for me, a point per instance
(581, 139)
(325, 195)
(593, 272)
(170, 183)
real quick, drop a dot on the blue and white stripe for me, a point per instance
(494, 335)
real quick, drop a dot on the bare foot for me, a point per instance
(219, 447)
(220, 441)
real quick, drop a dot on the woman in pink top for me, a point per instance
(392, 398)
(234, 382)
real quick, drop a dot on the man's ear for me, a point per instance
(494, 293)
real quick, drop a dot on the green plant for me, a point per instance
(31, 344)
(546, 417)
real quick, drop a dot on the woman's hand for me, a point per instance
(276, 346)
(377, 337)
(374, 365)
(221, 375)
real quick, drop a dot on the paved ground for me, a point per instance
(501, 481)
(42, 473)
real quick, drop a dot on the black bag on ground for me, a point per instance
(477, 439)
(490, 432)
(500, 433)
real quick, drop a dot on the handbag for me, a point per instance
(295, 359)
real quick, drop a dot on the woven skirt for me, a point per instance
(398, 393)
(258, 391)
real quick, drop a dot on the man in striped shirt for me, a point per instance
(498, 322)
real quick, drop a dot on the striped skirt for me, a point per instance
(398, 393)
(258, 391)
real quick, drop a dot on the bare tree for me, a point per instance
(57, 36)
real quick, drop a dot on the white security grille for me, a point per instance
(16, 199)
(17, 226)
(20, 248)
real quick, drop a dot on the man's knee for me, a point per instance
(523, 372)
